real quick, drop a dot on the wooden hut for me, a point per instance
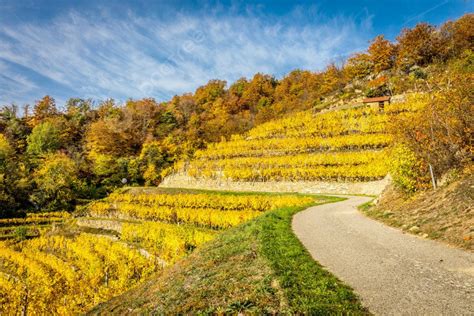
(378, 102)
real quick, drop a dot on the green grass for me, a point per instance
(365, 207)
(308, 287)
(259, 267)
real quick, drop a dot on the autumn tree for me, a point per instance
(207, 94)
(463, 33)
(14, 182)
(167, 123)
(259, 92)
(237, 108)
(235, 101)
(56, 183)
(5, 151)
(108, 108)
(199, 111)
(43, 109)
(154, 157)
(358, 66)
(418, 46)
(105, 137)
(444, 138)
(457, 36)
(216, 122)
(440, 134)
(78, 116)
(333, 79)
(114, 141)
(123, 133)
(381, 53)
(139, 122)
(7, 198)
(14, 127)
(297, 91)
(45, 138)
(182, 108)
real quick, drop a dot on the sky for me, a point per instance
(103, 49)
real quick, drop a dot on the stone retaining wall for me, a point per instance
(181, 180)
(100, 224)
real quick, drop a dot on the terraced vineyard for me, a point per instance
(31, 225)
(343, 145)
(117, 243)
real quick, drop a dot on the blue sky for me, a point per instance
(134, 49)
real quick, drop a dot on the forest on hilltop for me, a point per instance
(55, 157)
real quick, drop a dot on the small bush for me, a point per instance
(21, 232)
(405, 168)
(418, 73)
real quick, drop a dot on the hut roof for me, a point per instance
(376, 99)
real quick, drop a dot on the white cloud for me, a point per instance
(14, 86)
(133, 56)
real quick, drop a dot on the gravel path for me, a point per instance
(393, 273)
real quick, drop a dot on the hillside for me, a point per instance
(56, 156)
(258, 267)
(174, 250)
(188, 205)
(115, 244)
(446, 214)
(338, 151)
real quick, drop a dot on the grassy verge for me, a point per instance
(366, 206)
(445, 214)
(259, 267)
(307, 286)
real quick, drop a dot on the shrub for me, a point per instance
(56, 181)
(21, 232)
(438, 133)
(406, 169)
(45, 138)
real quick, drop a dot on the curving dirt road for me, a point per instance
(393, 273)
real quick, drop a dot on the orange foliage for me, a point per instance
(381, 53)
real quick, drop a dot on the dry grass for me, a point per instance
(445, 214)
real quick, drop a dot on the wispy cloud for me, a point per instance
(14, 86)
(143, 56)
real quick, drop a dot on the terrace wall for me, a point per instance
(182, 180)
